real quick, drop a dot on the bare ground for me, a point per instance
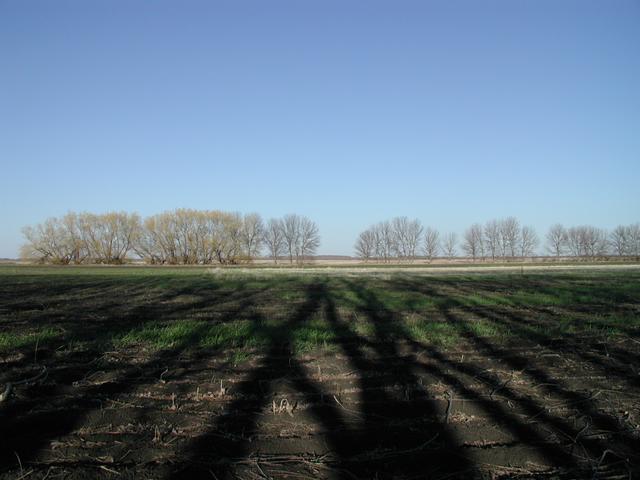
(524, 407)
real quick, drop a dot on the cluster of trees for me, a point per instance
(405, 239)
(589, 241)
(81, 238)
(181, 236)
(186, 236)
(504, 238)
(398, 238)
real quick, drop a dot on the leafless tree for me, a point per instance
(47, 242)
(385, 241)
(449, 244)
(148, 245)
(184, 224)
(625, 240)
(407, 235)
(587, 241)
(182, 236)
(472, 242)
(633, 240)
(252, 232)
(509, 236)
(291, 234)
(400, 232)
(600, 244)
(413, 238)
(301, 237)
(575, 242)
(366, 245)
(163, 233)
(431, 243)
(192, 236)
(557, 240)
(399, 238)
(309, 239)
(619, 240)
(110, 236)
(528, 241)
(273, 238)
(492, 238)
(76, 235)
(77, 238)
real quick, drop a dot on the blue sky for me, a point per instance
(348, 112)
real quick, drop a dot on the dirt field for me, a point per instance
(188, 373)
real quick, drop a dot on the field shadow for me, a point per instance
(586, 434)
(400, 405)
(92, 312)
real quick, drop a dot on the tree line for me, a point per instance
(407, 239)
(181, 236)
(191, 237)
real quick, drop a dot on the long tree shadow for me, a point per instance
(458, 378)
(228, 441)
(395, 425)
(398, 431)
(403, 432)
(610, 360)
(58, 408)
(591, 448)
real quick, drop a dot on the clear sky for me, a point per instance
(348, 112)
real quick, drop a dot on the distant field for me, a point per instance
(167, 372)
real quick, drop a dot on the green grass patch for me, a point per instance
(193, 334)
(15, 341)
(433, 332)
(192, 308)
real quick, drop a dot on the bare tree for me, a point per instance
(400, 232)
(407, 235)
(385, 241)
(366, 245)
(472, 241)
(148, 246)
(110, 236)
(587, 241)
(184, 224)
(76, 236)
(557, 240)
(509, 236)
(273, 238)
(528, 241)
(231, 235)
(575, 243)
(431, 243)
(106, 238)
(449, 244)
(413, 238)
(619, 240)
(492, 238)
(203, 237)
(291, 234)
(192, 236)
(47, 242)
(599, 245)
(301, 237)
(633, 237)
(252, 231)
(180, 236)
(309, 239)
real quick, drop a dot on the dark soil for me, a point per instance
(384, 407)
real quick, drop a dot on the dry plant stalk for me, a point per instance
(284, 406)
(4, 396)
